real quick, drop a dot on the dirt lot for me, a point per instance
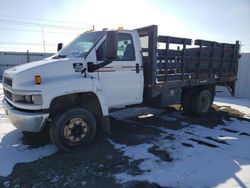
(98, 165)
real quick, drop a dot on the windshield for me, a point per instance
(81, 46)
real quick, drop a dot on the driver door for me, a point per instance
(120, 82)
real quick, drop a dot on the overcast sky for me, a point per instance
(22, 22)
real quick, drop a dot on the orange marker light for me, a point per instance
(38, 80)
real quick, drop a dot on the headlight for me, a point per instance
(28, 99)
(37, 99)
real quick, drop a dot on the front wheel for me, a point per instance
(73, 129)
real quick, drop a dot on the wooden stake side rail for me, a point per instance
(210, 60)
(173, 63)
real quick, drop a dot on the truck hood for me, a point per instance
(49, 69)
(23, 67)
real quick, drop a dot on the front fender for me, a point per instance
(78, 86)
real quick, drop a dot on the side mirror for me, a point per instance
(91, 67)
(59, 46)
(111, 45)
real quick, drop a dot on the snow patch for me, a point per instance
(12, 151)
(227, 165)
(242, 105)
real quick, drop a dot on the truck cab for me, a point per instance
(96, 71)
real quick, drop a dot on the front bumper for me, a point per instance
(26, 121)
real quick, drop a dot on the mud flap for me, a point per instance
(105, 125)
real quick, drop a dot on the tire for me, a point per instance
(73, 129)
(186, 100)
(201, 102)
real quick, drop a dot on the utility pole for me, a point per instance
(43, 42)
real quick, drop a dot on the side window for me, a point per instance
(125, 51)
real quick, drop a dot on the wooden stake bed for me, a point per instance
(174, 63)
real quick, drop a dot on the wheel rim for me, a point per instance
(75, 130)
(205, 103)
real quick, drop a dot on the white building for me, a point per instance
(10, 59)
(243, 83)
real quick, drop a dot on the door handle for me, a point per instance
(137, 68)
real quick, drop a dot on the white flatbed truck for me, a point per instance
(72, 92)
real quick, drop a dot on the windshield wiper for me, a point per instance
(59, 56)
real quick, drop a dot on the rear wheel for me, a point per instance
(73, 129)
(201, 102)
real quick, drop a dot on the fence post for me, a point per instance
(28, 56)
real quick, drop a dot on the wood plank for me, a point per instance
(211, 43)
(174, 40)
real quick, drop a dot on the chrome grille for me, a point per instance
(7, 81)
(7, 94)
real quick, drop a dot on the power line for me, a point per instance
(48, 20)
(41, 25)
(37, 31)
(26, 43)
(17, 47)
